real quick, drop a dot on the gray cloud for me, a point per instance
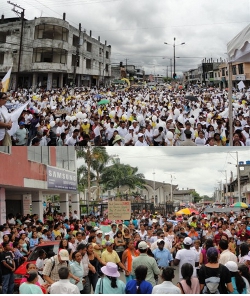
(136, 30)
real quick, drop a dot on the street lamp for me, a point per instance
(154, 187)
(238, 174)
(174, 45)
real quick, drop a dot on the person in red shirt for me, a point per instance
(243, 234)
(219, 235)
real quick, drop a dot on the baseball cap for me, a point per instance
(106, 233)
(85, 120)
(160, 240)
(96, 228)
(232, 266)
(140, 135)
(142, 245)
(99, 231)
(187, 241)
(64, 254)
(131, 128)
(21, 123)
(108, 243)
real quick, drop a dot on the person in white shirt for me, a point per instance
(167, 287)
(113, 231)
(226, 255)
(63, 286)
(122, 131)
(21, 135)
(141, 141)
(71, 141)
(187, 255)
(245, 131)
(110, 131)
(158, 136)
(129, 138)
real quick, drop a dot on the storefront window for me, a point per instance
(65, 158)
(38, 154)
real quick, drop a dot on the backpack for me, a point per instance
(212, 283)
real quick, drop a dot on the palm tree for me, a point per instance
(118, 175)
(96, 159)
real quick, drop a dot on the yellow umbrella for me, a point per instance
(185, 211)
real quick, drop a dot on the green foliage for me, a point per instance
(118, 175)
(196, 197)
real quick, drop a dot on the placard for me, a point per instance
(119, 210)
(26, 204)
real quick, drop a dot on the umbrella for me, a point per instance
(185, 211)
(98, 96)
(192, 98)
(194, 211)
(103, 102)
(240, 205)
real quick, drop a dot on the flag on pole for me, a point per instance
(6, 81)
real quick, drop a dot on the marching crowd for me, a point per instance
(163, 116)
(72, 255)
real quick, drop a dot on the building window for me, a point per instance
(49, 55)
(240, 69)
(76, 40)
(234, 70)
(38, 154)
(66, 158)
(107, 55)
(107, 67)
(51, 32)
(100, 51)
(88, 64)
(223, 72)
(89, 47)
(1, 58)
(74, 60)
(5, 149)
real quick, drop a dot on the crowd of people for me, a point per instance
(212, 252)
(163, 116)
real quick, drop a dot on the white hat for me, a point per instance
(111, 269)
(232, 266)
(98, 232)
(160, 240)
(131, 128)
(140, 135)
(142, 245)
(96, 228)
(64, 255)
(106, 233)
(85, 120)
(187, 241)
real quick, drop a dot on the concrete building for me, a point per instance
(240, 71)
(28, 175)
(53, 54)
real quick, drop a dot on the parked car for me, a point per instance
(48, 247)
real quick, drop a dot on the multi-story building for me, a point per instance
(53, 54)
(240, 72)
(29, 174)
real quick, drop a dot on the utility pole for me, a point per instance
(77, 55)
(21, 15)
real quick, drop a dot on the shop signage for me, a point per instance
(61, 179)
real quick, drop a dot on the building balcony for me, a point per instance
(49, 67)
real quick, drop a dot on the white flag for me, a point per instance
(14, 118)
(241, 85)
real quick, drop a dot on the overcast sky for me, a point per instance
(191, 168)
(137, 30)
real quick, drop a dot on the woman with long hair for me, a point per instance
(110, 284)
(64, 244)
(244, 249)
(127, 258)
(244, 272)
(189, 284)
(239, 284)
(30, 286)
(96, 261)
(203, 255)
(139, 285)
(119, 243)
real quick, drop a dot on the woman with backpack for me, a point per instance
(189, 284)
(139, 285)
(214, 278)
(238, 282)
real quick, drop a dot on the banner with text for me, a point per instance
(119, 210)
(61, 179)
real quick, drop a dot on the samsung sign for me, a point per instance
(61, 179)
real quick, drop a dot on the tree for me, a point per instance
(96, 159)
(196, 196)
(118, 175)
